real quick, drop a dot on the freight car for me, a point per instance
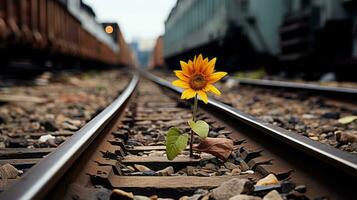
(39, 31)
(235, 31)
(315, 34)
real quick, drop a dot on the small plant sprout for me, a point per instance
(196, 79)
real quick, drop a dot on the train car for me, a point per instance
(278, 34)
(319, 35)
(236, 31)
(64, 32)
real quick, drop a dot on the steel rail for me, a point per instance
(328, 90)
(41, 178)
(331, 156)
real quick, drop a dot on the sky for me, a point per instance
(138, 19)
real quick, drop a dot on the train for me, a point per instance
(59, 32)
(297, 35)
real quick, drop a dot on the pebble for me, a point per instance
(268, 180)
(244, 197)
(131, 168)
(141, 168)
(346, 136)
(49, 125)
(8, 171)
(331, 115)
(247, 172)
(138, 197)
(67, 126)
(287, 186)
(232, 188)
(314, 138)
(190, 170)
(243, 165)
(272, 195)
(44, 138)
(300, 188)
(118, 194)
(213, 134)
(236, 172)
(201, 173)
(210, 166)
(168, 171)
(230, 165)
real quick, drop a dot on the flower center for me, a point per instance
(197, 82)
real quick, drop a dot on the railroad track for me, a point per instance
(122, 148)
(343, 92)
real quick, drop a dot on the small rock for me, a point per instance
(193, 197)
(49, 125)
(44, 138)
(210, 166)
(311, 134)
(244, 197)
(60, 139)
(236, 172)
(300, 188)
(121, 195)
(314, 138)
(141, 168)
(168, 171)
(268, 180)
(201, 173)
(213, 134)
(232, 188)
(287, 186)
(131, 168)
(243, 165)
(138, 197)
(327, 128)
(2, 120)
(272, 195)
(331, 115)
(230, 165)
(190, 170)
(346, 137)
(267, 118)
(308, 116)
(52, 142)
(247, 172)
(70, 127)
(8, 171)
(201, 191)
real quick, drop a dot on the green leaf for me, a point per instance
(175, 142)
(200, 127)
(347, 119)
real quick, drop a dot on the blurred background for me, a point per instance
(309, 39)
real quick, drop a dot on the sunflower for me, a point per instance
(196, 78)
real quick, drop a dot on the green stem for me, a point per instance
(194, 119)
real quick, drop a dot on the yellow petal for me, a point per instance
(181, 84)
(203, 96)
(181, 75)
(210, 68)
(204, 65)
(190, 67)
(188, 94)
(185, 68)
(213, 89)
(198, 63)
(216, 76)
